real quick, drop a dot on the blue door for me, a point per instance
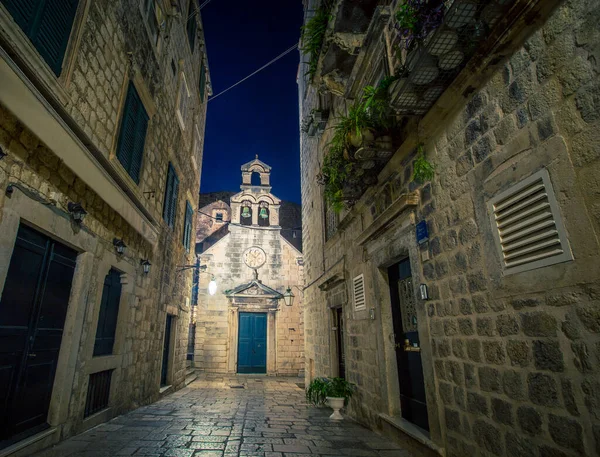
(252, 345)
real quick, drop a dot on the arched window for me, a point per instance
(263, 214)
(255, 178)
(246, 215)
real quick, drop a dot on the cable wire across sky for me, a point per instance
(283, 54)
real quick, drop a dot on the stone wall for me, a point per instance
(109, 47)
(224, 262)
(510, 361)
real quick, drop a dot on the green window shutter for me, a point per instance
(202, 81)
(47, 23)
(132, 137)
(174, 195)
(191, 24)
(187, 231)
(168, 193)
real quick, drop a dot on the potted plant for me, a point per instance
(336, 392)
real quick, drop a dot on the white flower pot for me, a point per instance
(336, 403)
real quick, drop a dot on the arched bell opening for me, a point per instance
(264, 215)
(246, 214)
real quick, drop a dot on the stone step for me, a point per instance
(190, 375)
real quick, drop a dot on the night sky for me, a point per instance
(260, 116)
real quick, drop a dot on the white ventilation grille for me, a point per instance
(358, 285)
(527, 225)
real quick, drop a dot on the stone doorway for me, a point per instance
(413, 402)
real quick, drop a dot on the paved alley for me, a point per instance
(226, 417)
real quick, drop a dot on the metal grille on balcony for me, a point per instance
(430, 66)
(98, 392)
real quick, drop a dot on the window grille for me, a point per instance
(358, 286)
(331, 222)
(527, 225)
(98, 392)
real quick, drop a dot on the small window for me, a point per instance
(331, 221)
(47, 26)
(219, 217)
(183, 102)
(109, 312)
(171, 194)
(527, 225)
(132, 136)
(152, 12)
(358, 286)
(192, 25)
(98, 392)
(198, 146)
(187, 226)
(173, 68)
(202, 81)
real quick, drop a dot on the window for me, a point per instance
(171, 193)
(173, 68)
(192, 25)
(198, 147)
(134, 124)
(202, 81)
(47, 24)
(527, 225)
(109, 312)
(152, 13)
(187, 226)
(358, 286)
(331, 221)
(219, 217)
(183, 101)
(98, 392)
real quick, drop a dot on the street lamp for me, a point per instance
(288, 297)
(119, 245)
(77, 212)
(212, 286)
(145, 263)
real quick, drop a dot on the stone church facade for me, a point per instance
(468, 303)
(102, 114)
(246, 327)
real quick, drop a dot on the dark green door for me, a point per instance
(33, 308)
(252, 345)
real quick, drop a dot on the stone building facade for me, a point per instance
(502, 357)
(246, 327)
(102, 109)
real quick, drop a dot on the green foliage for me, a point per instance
(321, 388)
(313, 34)
(407, 16)
(423, 170)
(371, 112)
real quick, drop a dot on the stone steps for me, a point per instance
(190, 375)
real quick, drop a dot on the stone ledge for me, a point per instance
(403, 202)
(413, 432)
(30, 441)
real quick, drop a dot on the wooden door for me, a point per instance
(408, 356)
(339, 325)
(33, 308)
(252, 343)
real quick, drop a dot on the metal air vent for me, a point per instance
(527, 225)
(358, 286)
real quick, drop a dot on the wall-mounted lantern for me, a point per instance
(77, 212)
(288, 297)
(119, 245)
(145, 263)
(212, 286)
(423, 292)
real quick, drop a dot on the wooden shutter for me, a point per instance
(187, 231)
(527, 225)
(202, 81)
(47, 23)
(191, 24)
(109, 312)
(171, 193)
(134, 125)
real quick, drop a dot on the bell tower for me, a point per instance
(255, 205)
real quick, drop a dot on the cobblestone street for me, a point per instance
(226, 417)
